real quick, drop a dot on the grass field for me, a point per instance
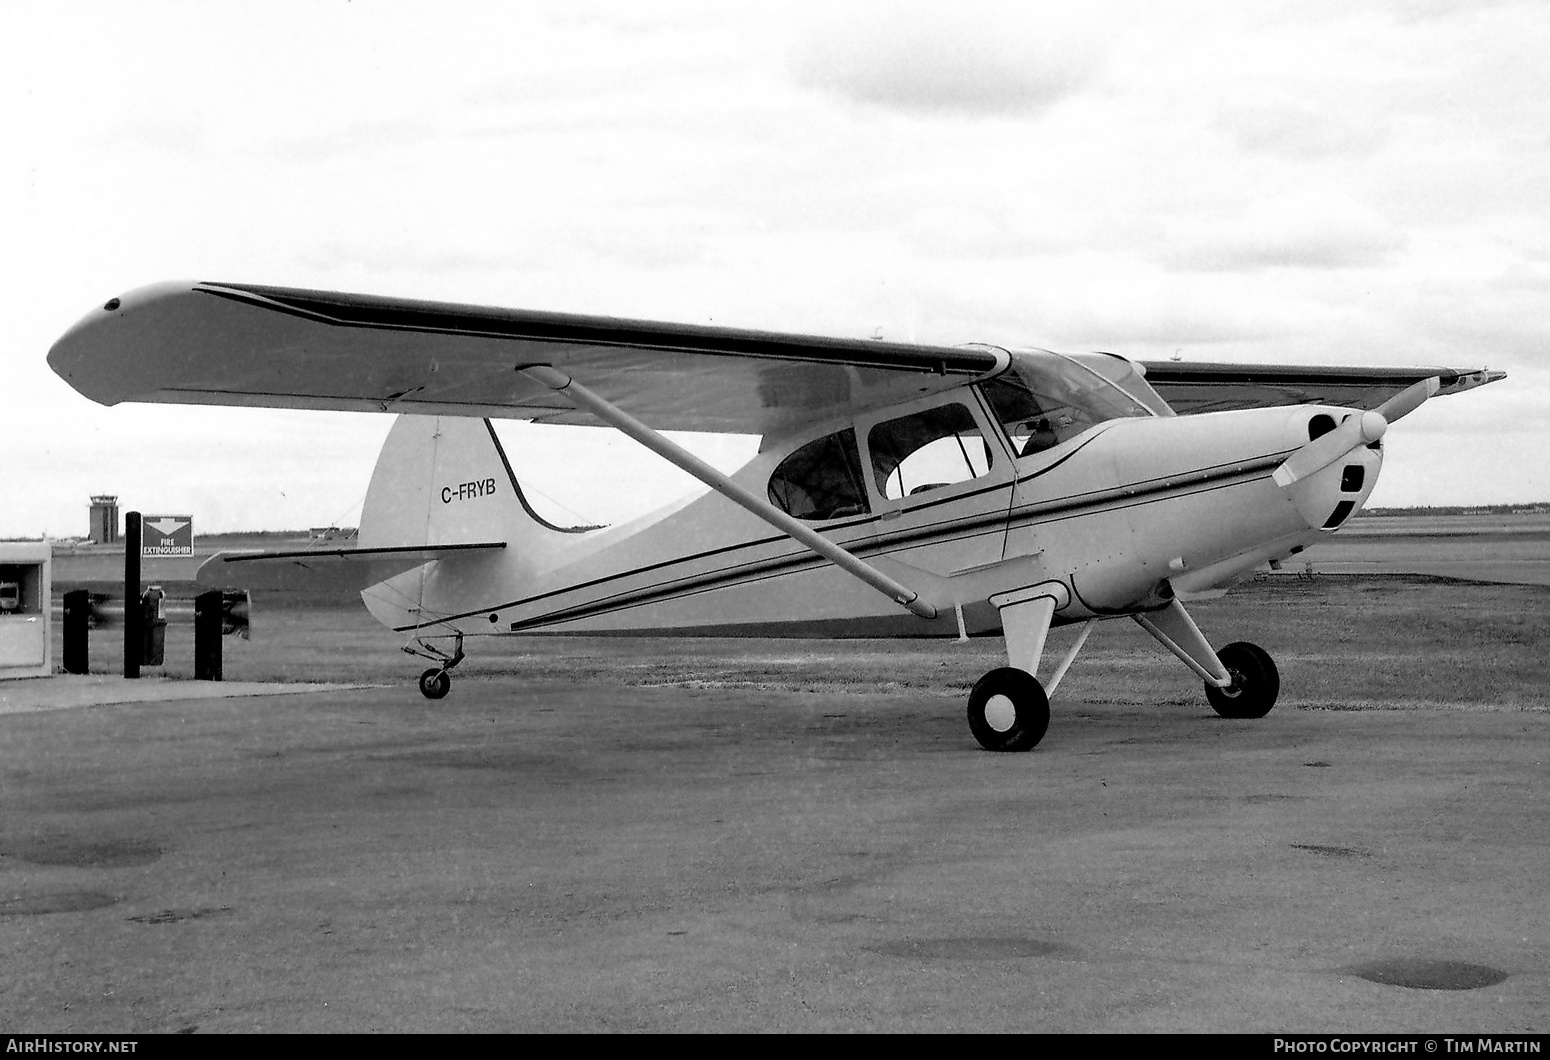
(1399, 611)
(1342, 643)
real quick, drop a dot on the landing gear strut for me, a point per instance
(1241, 679)
(435, 683)
(1009, 707)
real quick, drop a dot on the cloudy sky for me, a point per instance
(1308, 181)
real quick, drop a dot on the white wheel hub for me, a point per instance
(1000, 714)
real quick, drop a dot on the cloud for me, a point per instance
(970, 58)
(179, 135)
(995, 227)
(1431, 10)
(1296, 130)
(384, 257)
(357, 139)
(1289, 182)
(1300, 231)
(1498, 322)
(1112, 300)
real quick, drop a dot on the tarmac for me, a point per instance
(583, 856)
(100, 690)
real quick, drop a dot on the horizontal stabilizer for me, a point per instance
(333, 568)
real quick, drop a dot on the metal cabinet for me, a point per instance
(26, 584)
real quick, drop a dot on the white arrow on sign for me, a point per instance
(168, 527)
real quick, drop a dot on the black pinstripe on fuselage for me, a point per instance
(796, 560)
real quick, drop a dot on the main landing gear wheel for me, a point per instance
(1008, 710)
(1255, 682)
(435, 683)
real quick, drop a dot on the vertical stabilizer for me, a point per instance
(439, 480)
(444, 480)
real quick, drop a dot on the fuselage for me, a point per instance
(1055, 478)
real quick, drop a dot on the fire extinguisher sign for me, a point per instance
(167, 535)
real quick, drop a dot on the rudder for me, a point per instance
(440, 480)
(445, 480)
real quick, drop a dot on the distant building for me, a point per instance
(104, 520)
(333, 533)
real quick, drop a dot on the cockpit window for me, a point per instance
(1046, 399)
(927, 450)
(821, 480)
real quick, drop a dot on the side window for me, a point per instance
(927, 450)
(821, 480)
(1022, 416)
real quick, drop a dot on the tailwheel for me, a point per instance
(1255, 682)
(435, 683)
(1008, 710)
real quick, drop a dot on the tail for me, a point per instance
(445, 480)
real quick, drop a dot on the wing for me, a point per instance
(1194, 386)
(236, 344)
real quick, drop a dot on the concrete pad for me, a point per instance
(564, 856)
(94, 690)
(1507, 549)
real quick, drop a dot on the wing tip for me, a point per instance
(1470, 379)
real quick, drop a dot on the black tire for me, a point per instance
(1255, 682)
(435, 684)
(1001, 729)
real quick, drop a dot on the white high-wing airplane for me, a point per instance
(899, 490)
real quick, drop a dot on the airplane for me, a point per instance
(898, 489)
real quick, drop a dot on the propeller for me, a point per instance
(1359, 428)
(1409, 399)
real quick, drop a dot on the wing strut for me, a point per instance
(803, 534)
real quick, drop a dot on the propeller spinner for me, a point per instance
(1359, 428)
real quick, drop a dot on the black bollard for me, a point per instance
(208, 618)
(77, 622)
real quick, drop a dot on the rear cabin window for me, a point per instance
(927, 450)
(821, 480)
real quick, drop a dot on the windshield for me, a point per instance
(1047, 398)
(1125, 375)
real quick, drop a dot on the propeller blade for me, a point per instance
(1409, 399)
(1359, 428)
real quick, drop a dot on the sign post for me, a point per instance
(134, 633)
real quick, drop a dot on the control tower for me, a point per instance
(104, 520)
